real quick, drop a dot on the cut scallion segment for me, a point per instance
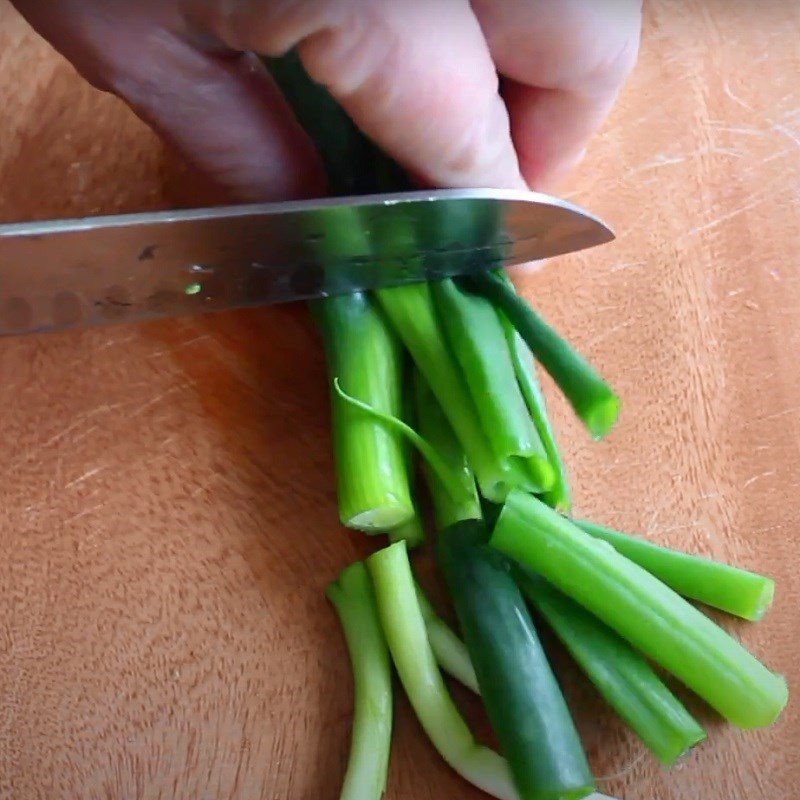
(522, 697)
(625, 679)
(413, 316)
(478, 341)
(353, 597)
(590, 396)
(404, 628)
(737, 591)
(434, 427)
(643, 610)
(559, 495)
(363, 353)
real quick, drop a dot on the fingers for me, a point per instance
(225, 115)
(565, 61)
(416, 76)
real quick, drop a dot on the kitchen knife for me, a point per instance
(81, 272)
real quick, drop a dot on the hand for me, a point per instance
(418, 76)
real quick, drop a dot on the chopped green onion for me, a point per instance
(411, 311)
(522, 698)
(737, 591)
(591, 397)
(353, 597)
(643, 610)
(620, 674)
(404, 628)
(478, 341)
(362, 351)
(448, 650)
(558, 495)
(435, 428)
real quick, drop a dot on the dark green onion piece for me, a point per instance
(737, 591)
(643, 610)
(590, 396)
(621, 675)
(522, 698)
(354, 600)
(404, 628)
(477, 339)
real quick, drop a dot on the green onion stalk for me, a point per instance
(739, 592)
(643, 610)
(354, 600)
(622, 676)
(524, 703)
(477, 338)
(404, 628)
(591, 397)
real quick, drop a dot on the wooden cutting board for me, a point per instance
(167, 505)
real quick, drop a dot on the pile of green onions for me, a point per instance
(449, 369)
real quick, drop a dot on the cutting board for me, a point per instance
(167, 504)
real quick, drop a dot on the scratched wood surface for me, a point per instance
(167, 508)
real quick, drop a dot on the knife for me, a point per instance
(77, 273)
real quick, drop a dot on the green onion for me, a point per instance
(522, 698)
(478, 341)
(559, 495)
(404, 628)
(448, 650)
(435, 428)
(590, 396)
(650, 615)
(362, 352)
(413, 316)
(353, 597)
(620, 674)
(737, 591)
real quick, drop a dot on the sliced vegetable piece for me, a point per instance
(643, 610)
(522, 698)
(435, 429)
(354, 600)
(590, 396)
(478, 341)
(620, 674)
(371, 468)
(413, 316)
(404, 628)
(559, 495)
(737, 591)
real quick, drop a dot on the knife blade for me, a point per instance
(76, 273)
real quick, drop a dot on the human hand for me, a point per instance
(418, 77)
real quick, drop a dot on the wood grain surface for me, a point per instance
(167, 504)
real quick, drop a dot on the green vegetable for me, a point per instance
(737, 591)
(590, 396)
(413, 316)
(477, 339)
(354, 600)
(371, 468)
(436, 430)
(620, 674)
(448, 650)
(650, 615)
(559, 495)
(404, 628)
(522, 698)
